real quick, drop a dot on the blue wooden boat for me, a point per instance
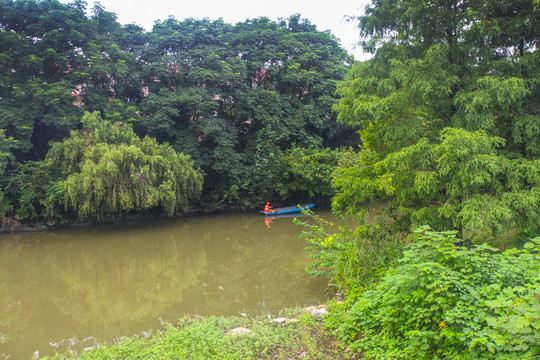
(288, 209)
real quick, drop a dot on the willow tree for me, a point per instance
(110, 170)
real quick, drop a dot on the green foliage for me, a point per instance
(6, 157)
(212, 338)
(448, 302)
(193, 339)
(50, 53)
(448, 116)
(459, 182)
(415, 26)
(352, 257)
(397, 102)
(220, 93)
(309, 170)
(110, 170)
(206, 87)
(7, 144)
(35, 187)
(293, 172)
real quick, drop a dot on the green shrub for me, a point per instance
(448, 302)
(308, 170)
(298, 171)
(34, 191)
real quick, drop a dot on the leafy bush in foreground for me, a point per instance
(448, 302)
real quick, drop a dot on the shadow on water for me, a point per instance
(74, 288)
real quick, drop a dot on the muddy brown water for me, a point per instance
(74, 288)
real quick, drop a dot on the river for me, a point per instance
(74, 288)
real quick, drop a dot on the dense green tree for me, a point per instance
(218, 91)
(448, 115)
(110, 170)
(54, 53)
(39, 44)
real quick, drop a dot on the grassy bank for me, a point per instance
(298, 335)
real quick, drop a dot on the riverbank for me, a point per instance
(295, 334)
(14, 225)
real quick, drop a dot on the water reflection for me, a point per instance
(70, 289)
(269, 219)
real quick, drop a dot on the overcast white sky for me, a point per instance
(326, 15)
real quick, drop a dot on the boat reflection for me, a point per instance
(268, 220)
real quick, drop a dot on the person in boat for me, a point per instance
(268, 208)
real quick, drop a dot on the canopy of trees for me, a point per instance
(229, 96)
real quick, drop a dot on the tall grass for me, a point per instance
(206, 338)
(351, 254)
